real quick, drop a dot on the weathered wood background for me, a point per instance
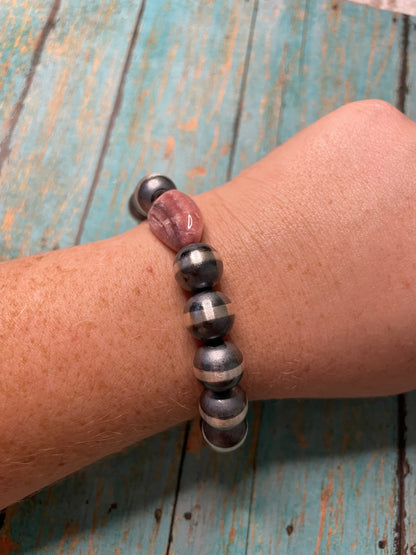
(92, 96)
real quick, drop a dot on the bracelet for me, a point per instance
(176, 220)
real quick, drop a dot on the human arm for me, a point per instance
(320, 263)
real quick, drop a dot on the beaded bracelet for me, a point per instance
(176, 220)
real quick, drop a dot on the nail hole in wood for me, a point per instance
(289, 529)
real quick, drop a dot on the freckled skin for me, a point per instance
(94, 354)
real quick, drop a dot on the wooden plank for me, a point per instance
(21, 28)
(410, 85)
(57, 140)
(407, 470)
(308, 59)
(325, 479)
(109, 507)
(273, 92)
(214, 501)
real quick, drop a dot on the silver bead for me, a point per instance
(223, 410)
(209, 315)
(218, 367)
(148, 190)
(197, 266)
(224, 441)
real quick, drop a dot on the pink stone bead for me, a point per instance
(175, 219)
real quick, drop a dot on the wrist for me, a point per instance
(250, 282)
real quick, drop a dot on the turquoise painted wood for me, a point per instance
(308, 59)
(20, 31)
(180, 102)
(325, 478)
(214, 502)
(123, 504)
(208, 88)
(58, 137)
(410, 96)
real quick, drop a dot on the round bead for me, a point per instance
(218, 367)
(208, 315)
(176, 220)
(223, 410)
(224, 441)
(197, 267)
(148, 190)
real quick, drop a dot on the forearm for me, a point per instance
(94, 357)
(95, 354)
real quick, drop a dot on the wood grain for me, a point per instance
(326, 478)
(57, 139)
(21, 29)
(214, 502)
(310, 58)
(122, 504)
(409, 50)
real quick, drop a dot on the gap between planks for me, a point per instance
(113, 116)
(402, 463)
(18, 107)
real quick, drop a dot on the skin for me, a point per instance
(318, 243)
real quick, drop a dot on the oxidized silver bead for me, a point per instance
(208, 315)
(148, 190)
(223, 410)
(218, 367)
(197, 267)
(224, 441)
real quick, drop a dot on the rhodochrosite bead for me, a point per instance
(175, 219)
